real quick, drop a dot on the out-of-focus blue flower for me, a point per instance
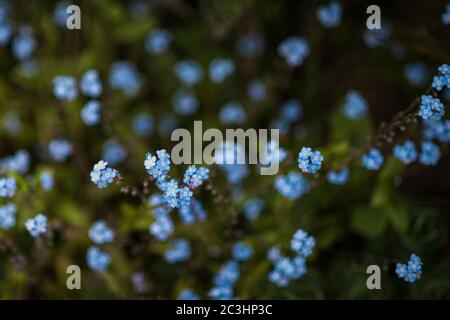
(221, 293)
(286, 270)
(90, 114)
(220, 68)
(102, 175)
(12, 123)
(272, 153)
(431, 108)
(292, 185)
(227, 275)
(273, 254)
(97, 259)
(184, 103)
(294, 50)
(179, 250)
(166, 125)
(195, 211)
(439, 130)
(405, 152)
(5, 26)
(291, 111)
(158, 41)
(60, 13)
(143, 124)
(29, 68)
(242, 251)
(446, 15)
(416, 73)
(24, 43)
(250, 45)
(373, 159)
(60, 149)
(46, 179)
(187, 294)
(90, 84)
(36, 226)
(124, 75)
(189, 72)
(355, 106)
(139, 282)
(100, 233)
(65, 88)
(429, 154)
(412, 271)
(309, 161)
(162, 228)
(330, 15)
(253, 207)
(7, 216)
(302, 243)
(232, 113)
(19, 162)
(8, 187)
(256, 90)
(113, 152)
(377, 37)
(338, 177)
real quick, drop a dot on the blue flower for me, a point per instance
(90, 114)
(194, 177)
(97, 259)
(60, 13)
(102, 176)
(292, 185)
(59, 149)
(406, 153)
(338, 177)
(158, 41)
(373, 159)
(221, 293)
(162, 228)
(439, 130)
(7, 216)
(37, 225)
(302, 243)
(143, 124)
(90, 84)
(113, 152)
(330, 15)
(100, 233)
(189, 72)
(227, 275)
(124, 76)
(376, 37)
(294, 50)
(187, 294)
(446, 15)
(438, 82)
(7, 187)
(291, 111)
(250, 45)
(184, 103)
(157, 166)
(431, 108)
(242, 251)
(232, 113)
(445, 68)
(416, 73)
(355, 106)
(65, 88)
(286, 270)
(166, 125)
(256, 90)
(12, 123)
(179, 250)
(252, 208)
(429, 154)
(46, 179)
(5, 32)
(220, 68)
(24, 43)
(411, 271)
(189, 214)
(309, 161)
(19, 162)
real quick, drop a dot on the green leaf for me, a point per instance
(369, 222)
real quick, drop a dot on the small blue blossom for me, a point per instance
(125, 76)
(430, 154)
(90, 84)
(438, 82)
(250, 45)
(411, 271)
(60, 13)
(439, 130)
(221, 293)
(19, 162)
(294, 50)
(189, 214)
(65, 88)
(355, 106)
(157, 166)
(242, 251)
(256, 90)
(189, 72)
(446, 15)
(220, 68)
(5, 25)
(24, 43)
(97, 259)
(184, 103)
(292, 185)
(445, 68)
(102, 175)
(416, 73)
(36, 226)
(100, 233)
(232, 113)
(286, 270)
(373, 159)
(309, 161)
(291, 111)
(158, 41)
(252, 208)
(405, 152)
(273, 254)
(194, 177)
(330, 15)
(113, 152)
(431, 108)
(179, 250)
(227, 275)
(46, 179)
(302, 243)
(338, 177)
(187, 294)
(166, 125)
(7, 216)
(143, 124)
(60, 149)
(272, 153)
(162, 228)
(7, 187)
(90, 114)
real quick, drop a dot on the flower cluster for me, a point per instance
(224, 281)
(179, 250)
(7, 187)
(158, 41)
(7, 216)
(194, 177)
(405, 152)
(309, 161)
(242, 251)
(294, 50)
(330, 15)
(37, 226)
(157, 166)
(100, 233)
(60, 149)
(429, 154)
(65, 88)
(189, 72)
(97, 259)
(355, 106)
(195, 211)
(431, 108)
(411, 271)
(252, 208)
(184, 103)
(46, 180)
(443, 79)
(220, 69)
(338, 177)
(232, 113)
(19, 162)
(162, 228)
(90, 114)
(373, 159)
(125, 77)
(292, 185)
(439, 130)
(102, 175)
(187, 294)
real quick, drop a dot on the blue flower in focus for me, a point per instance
(46, 179)
(179, 250)
(302, 243)
(232, 113)
(7, 216)
(90, 84)
(189, 72)
(220, 68)
(102, 176)
(256, 90)
(158, 41)
(355, 106)
(309, 161)
(438, 82)
(100, 233)
(416, 73)
(242, 251)
(405, 152)
(8, 187)
(90, 114)
(113, 152)
(373, 159)
(294, 50)
(36, 226)
(250, 45)
(291, 111)
(162, 228)
(157, 166)
(330, 15)
(124, 75)
(187, 294)
(65, 88)
(292, 185)
(59, 149)
(252, 208)
(184, 103)
(429, 154)
(431, 108)
(24, 43)
(338, 177)
(143, 124)
(411, 271)
(194, 177)
(97, 259)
